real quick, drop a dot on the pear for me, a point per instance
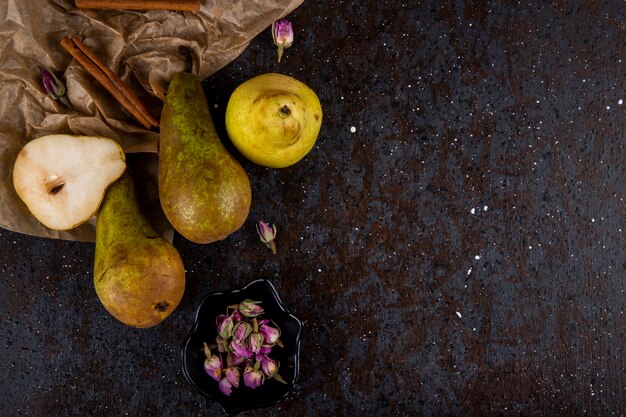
(139, 276)
(62, 178)
(273, 120)
(205, 193)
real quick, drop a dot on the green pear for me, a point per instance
(205, 193)
(138, 275)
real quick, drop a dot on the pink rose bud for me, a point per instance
(233, 375)
(282, 32)
(237, 317)
(268, 366)
(270, 334)
(256, 339)
(267, 233)
(225, 328)
(54, 87)
(225, 386)
(213, 367)
(236, 360)
(240, 350)
(249, 308)
(242, 331)
(253, 378)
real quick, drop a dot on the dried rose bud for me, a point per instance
(233, 359)
(213, 367)
(268, 365)
(253, 377)
(222, 344)
(282, 32)
(237, 317)
(256, 340)
(242, 331)
(225, 386)
(54, 87)
(240, 349)
(267, 234)
(233, 374)
(270, 334)
(249, 308)
(265, 349)
(219, 319)
(225, 328)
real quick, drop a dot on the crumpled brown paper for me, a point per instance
(140, 46)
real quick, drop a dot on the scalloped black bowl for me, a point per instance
(204, 330)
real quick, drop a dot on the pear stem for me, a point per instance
(285, 111)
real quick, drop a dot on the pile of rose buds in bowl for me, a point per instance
(243, 346)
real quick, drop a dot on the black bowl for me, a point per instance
(204, 330)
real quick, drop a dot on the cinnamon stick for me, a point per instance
(109, 80)
(117, 82)
(189, 5)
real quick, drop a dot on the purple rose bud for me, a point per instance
(225, 328)
(54, 87)
(282, 33)
(267, 234)
(213, 367)
(242, 331)
(256, 339)
(225, 386)
(265, 349)
(249, 308)
(253, 378)
(233, 374)
(241, 350)
(268, 365)
(271, 334)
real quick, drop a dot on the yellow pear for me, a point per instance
(273, 120)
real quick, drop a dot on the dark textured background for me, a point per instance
(461, 253)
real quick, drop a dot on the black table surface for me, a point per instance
(453, 243)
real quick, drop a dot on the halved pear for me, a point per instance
(62, 178)
(273, 119)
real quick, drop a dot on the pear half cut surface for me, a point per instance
(62, 178)
(273, 119)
